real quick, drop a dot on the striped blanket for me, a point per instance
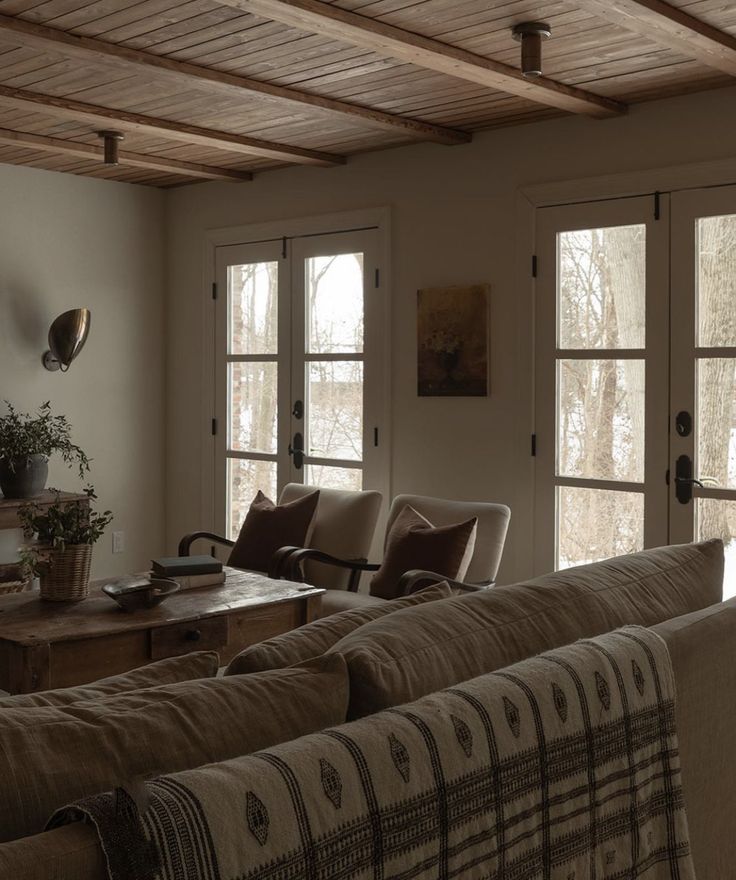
(562, 766)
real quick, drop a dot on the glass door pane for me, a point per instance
(704, 373)
(597, 391)
(329, 359)
(600, 401)
(249, 378)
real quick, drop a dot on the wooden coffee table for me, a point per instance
(50, 645)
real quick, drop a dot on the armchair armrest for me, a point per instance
(417, 579)
(293, 565)
(187, 541)
(279, 567)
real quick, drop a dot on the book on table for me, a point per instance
(181, 566)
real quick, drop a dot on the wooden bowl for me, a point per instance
(141, 594)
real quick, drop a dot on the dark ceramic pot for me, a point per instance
(26, 478)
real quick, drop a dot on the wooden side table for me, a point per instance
(51, 645)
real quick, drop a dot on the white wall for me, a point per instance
(454, 221)
(68, 242)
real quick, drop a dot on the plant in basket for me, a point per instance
(61, 538)
(26, 444)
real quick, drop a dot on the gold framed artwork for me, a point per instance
(452, 341)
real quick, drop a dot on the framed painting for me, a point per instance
(452, 341)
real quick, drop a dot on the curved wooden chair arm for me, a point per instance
(279, 567)
(415, 580)
(355, 566)
(187, 541)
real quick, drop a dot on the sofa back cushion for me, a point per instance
(702, 648)
(313, 639)
(200, 664)
(51, 756)
(414, 652)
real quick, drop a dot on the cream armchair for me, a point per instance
(344, 525)
(493, 523)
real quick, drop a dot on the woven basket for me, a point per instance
(66, 579)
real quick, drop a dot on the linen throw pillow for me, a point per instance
(268, 527)
(53, 755)
(414, 542)
(313, 639)
(201, 664)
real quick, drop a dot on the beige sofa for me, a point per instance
(642, 589)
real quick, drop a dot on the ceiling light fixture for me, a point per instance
(111, 141)
(530, 34)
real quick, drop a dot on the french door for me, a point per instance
(299, 368)
(636, 376)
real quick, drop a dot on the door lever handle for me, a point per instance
(684, 479)
(690, 481)
(297, 451)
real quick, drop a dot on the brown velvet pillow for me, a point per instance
(268, 527)
(414, 542)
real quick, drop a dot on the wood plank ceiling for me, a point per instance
(210, 89)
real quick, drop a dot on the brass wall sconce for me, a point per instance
(530, 34)
(67, 336)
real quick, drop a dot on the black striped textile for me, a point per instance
(562, 767)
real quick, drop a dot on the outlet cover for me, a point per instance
(118, 542)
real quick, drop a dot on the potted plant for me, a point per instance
(61, 553)
(26, 444)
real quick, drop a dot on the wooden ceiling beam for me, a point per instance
(340, 24)
(672, 27)
(182, 73)
(137, 160)
(67, 108)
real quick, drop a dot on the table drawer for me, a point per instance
(182, 638)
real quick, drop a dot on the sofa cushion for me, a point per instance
(702, 648)
(417, 651)
(315, 638)
(268, 527)
(413, 542)
(50, 756)
(201, 664)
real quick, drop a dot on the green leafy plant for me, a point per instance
(23, 435)
(57, 526)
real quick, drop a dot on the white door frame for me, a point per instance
(372, 218)
(675, 178)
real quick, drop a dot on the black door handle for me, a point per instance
(297, 450)
(684, 479)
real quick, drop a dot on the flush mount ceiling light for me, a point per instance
(67, 336)
(111, 140)
(530, 34)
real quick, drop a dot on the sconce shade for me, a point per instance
(67, 336)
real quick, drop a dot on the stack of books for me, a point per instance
(189, 571)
